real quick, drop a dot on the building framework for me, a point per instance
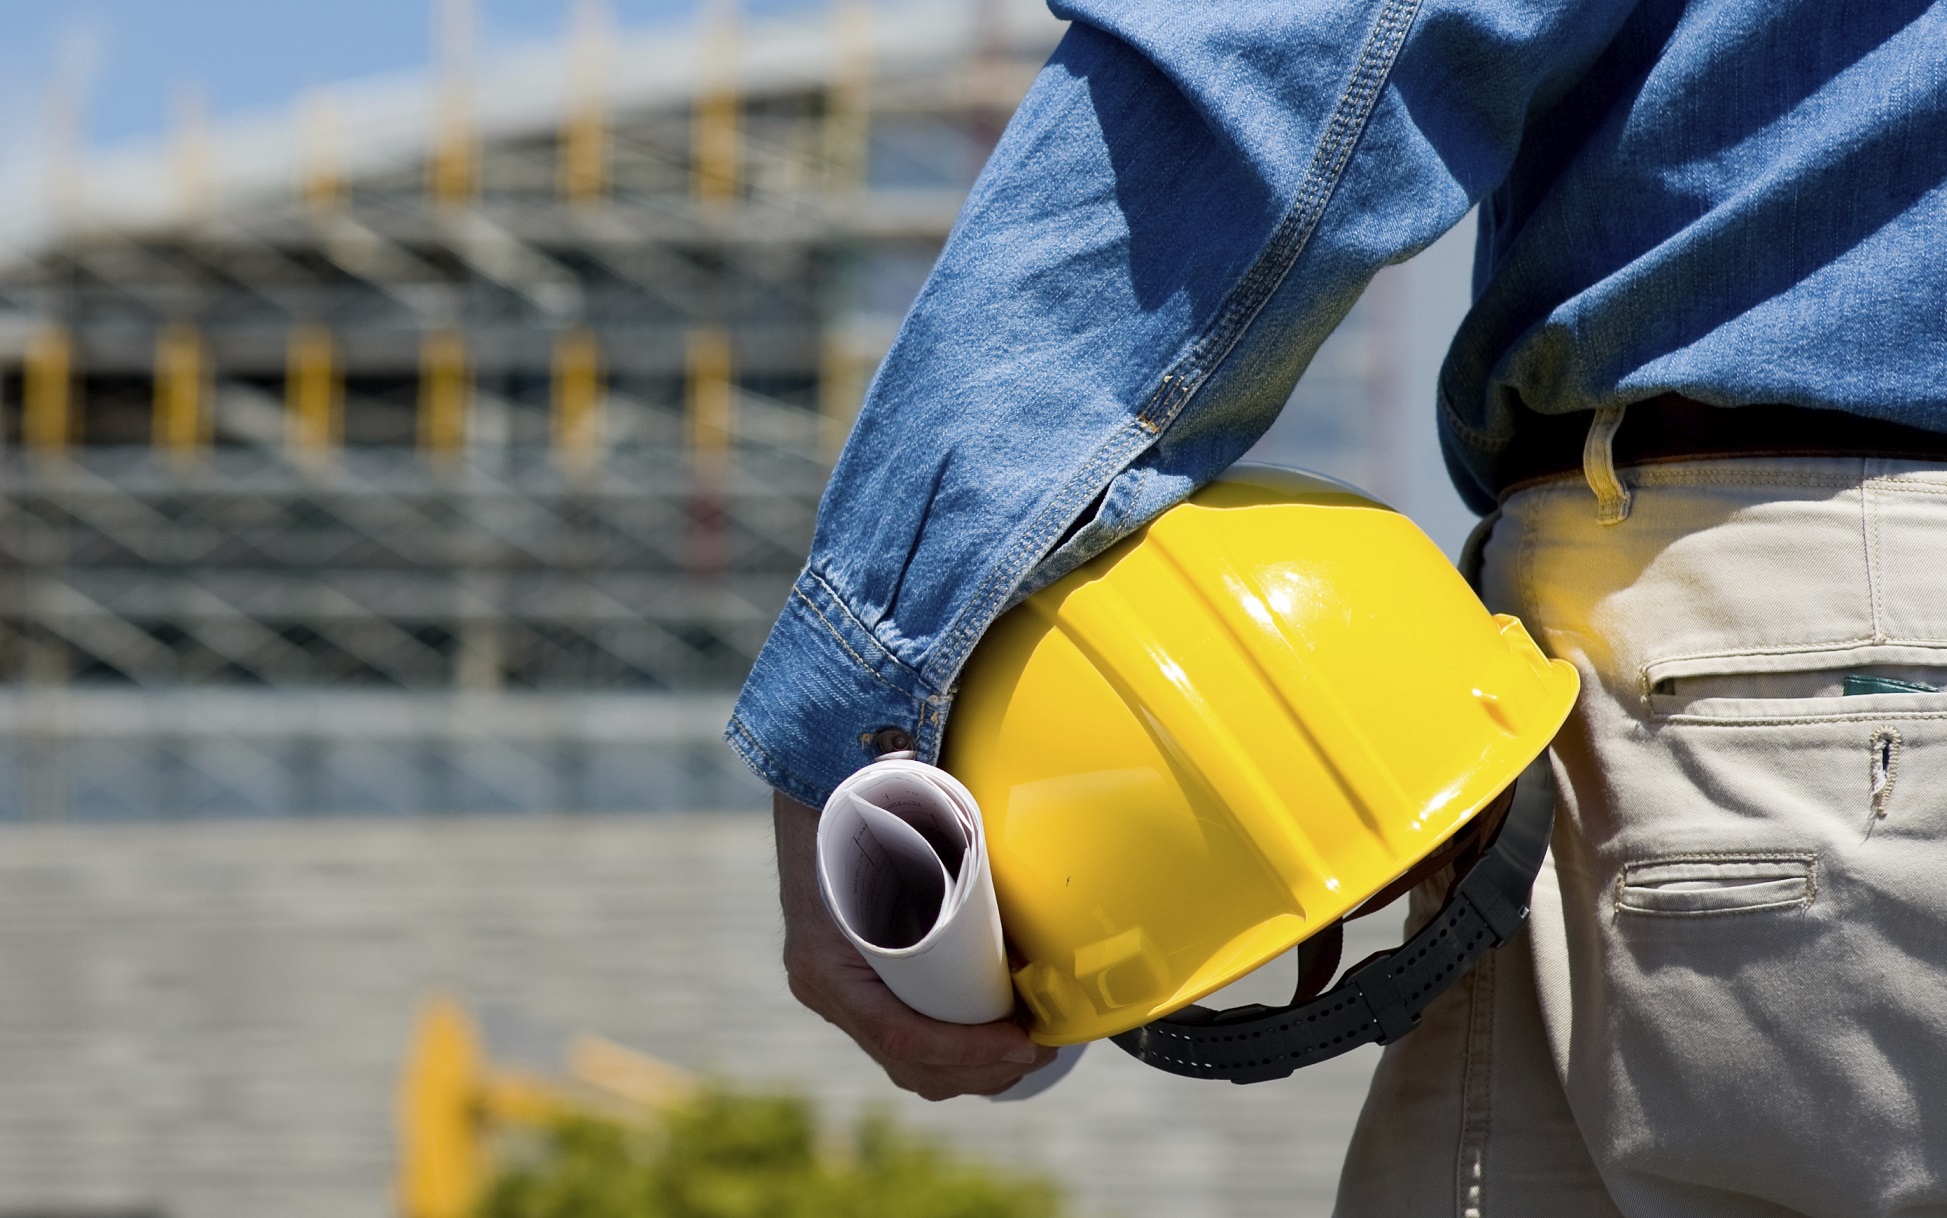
(438, 433)
(448, 443)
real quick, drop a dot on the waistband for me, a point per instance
(1676, 428)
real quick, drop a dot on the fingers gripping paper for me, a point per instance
(902, 864)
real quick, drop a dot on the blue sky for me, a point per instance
(135, 58)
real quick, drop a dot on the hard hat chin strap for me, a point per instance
(1380, 999)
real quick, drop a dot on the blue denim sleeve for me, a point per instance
(1189, 199)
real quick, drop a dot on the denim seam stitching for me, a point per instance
(1124, 442)
(1112, 526)
(845, 646)
(1246, 300)
(1342, 133)
(817, 577)
(838, 637)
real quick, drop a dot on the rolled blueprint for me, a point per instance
(902, 865)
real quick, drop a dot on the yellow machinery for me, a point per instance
(452, 1101)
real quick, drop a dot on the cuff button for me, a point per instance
(891, 740)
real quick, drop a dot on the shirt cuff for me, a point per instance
(822, 688)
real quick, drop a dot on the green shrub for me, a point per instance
(733, 1155)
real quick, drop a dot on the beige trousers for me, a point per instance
(1733, 997)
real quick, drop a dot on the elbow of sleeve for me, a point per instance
(821, 691)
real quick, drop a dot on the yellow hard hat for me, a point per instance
(1224, 735)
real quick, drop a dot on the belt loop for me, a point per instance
(1599, 467)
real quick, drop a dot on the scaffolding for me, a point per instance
(435, 437)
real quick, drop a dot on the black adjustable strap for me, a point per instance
(1380, 999)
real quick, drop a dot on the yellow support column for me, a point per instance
(445, 394)
(582, 170)
(711, 398)
(47, 393)
(716, 135)
(452, 172)
(314, 396)
(576, 420)
(182, 422)
(848, 103)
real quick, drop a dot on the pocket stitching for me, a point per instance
(1867, 716)
(1887, 737)
(1669, 708)
(1811, 878)
(1646, 672)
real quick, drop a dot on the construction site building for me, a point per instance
(448, 443)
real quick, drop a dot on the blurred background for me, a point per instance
(411, 418)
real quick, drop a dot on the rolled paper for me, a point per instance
(902, 864)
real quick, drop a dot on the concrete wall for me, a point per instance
(206, 1019)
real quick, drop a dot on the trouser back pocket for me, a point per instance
(1695, 885)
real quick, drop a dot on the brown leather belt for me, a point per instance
(1677, 428)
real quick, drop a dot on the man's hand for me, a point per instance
(936, 1060)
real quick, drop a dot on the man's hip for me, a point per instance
(1742, 977)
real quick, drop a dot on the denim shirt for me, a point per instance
(1744, 201)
